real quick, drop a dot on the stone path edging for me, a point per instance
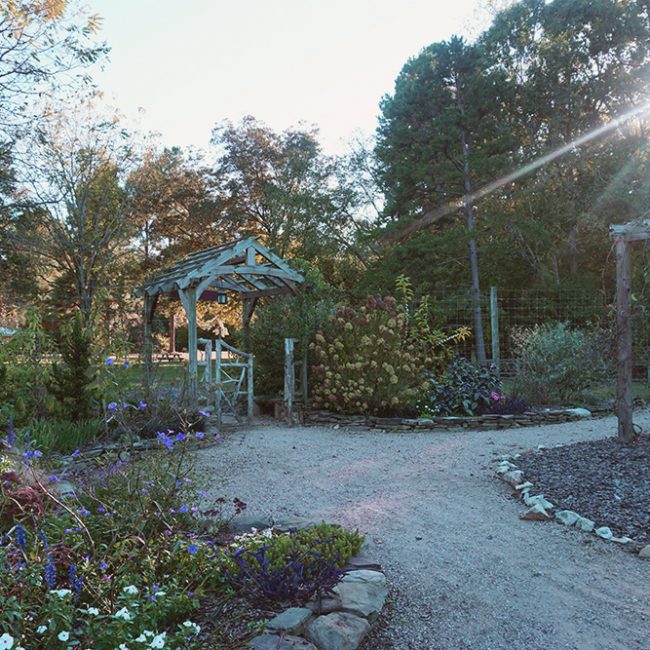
(338, 621)
(540, 509)
(487, 421)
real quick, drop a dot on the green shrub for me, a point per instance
(555, 363)
(71, 381)
(464, 389)
(373, 359)
(297, 317)
(62, 436)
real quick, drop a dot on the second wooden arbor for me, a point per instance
(243, 266)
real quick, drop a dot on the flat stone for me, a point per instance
(272, 642)
(579, 412)
(621, 540)
(536, 513)
(524, 486)
(292, 620)
(337, 631)
(514, 477)
(645, 552)
(362, 592)
(604, 532)
(567, 517)
(325, 604)
(538, 500)
(585, 524)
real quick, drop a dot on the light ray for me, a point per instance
(439, 213)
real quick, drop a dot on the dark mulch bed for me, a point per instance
(601, 480)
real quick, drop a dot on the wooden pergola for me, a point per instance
(242, 266)
(624, 236)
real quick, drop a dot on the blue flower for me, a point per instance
(50, 571)
(182, 509)
(32, 453)
(127, 363)
(165, 439)
(109, 361)
(75, 453)
(112, 406)
(192, 548)
(180, 436)
(200, 435)
(21, 537)
(205, 414)
(142, 405)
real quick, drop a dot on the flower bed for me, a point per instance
(128, 555)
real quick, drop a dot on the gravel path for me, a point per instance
(466, 571)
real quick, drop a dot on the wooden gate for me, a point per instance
(228, 379)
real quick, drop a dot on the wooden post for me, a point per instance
(494, 327)
(217, 379)
(172, 333)
(624, 331)
(250, 404)
(305, 372)
(192, 344)
(289, 378)
(148, 340)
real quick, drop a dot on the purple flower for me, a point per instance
(32, 453)
(495, 396)
(165, 439)
(192, 548)
(203, 413)
(144, 491)
(53, 479)
(103, 566)
(109, 361)
(112, 406)
(21, 537)
(182, 509)
(200, 435)
(180, 436)
(50, 572)
(101, 509)
(142, 405)
(75, 453)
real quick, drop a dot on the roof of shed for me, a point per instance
(244, 266)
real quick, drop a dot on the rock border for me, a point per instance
(339, 620)
(540, 509)
(488, 421)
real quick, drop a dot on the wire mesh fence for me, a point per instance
(505, 312)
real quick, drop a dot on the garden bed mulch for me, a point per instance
(601, 480)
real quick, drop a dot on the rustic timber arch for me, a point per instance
(242, 266)
(624, 236)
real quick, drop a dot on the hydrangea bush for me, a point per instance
(373, 358)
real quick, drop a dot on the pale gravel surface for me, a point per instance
(480, 577)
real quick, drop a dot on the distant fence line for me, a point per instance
(505, 311)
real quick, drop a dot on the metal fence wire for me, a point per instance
(512, 310)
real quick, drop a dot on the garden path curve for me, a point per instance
(466, 571)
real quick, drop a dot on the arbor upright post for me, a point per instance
(624, 331)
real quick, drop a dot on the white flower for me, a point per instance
(123, 646)
(141, 639)
(93, 611)
(160, 593)
(123, 613)
(6, 641)
(193, 626)
(158, 641)
(61, 593)
(131, 590)
(63, 636)
(41, 629)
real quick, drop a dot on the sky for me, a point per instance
(180, 66)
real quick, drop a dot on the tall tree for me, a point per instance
(78, 228)
(440, 135)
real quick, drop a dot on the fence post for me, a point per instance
(217, 379)
(250, 404)
(494, 327)
(289, 378)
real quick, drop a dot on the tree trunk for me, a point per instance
(473, 255)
